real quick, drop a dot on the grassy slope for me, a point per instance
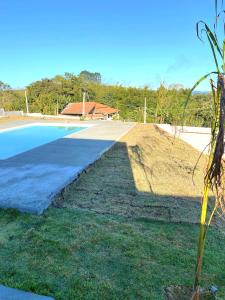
(125, 229)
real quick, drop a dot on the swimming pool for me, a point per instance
(24, 138)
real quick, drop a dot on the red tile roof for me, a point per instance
(90, 109)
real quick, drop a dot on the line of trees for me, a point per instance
(164, 105)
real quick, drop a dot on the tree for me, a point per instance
(49, 94)
(4, 86)
(88, 76)
(176, 86)
(214, 177)
(161, 103)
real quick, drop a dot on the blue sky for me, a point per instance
(128, 42)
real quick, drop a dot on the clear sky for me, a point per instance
(133, 42)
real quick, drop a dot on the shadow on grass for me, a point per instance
(113, 185)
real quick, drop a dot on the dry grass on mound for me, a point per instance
(147, 174)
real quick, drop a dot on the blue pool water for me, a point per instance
(19, 140)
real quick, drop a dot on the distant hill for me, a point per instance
(200, 92)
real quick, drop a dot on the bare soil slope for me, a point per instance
(147, 174)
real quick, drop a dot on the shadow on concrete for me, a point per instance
(30, 180)
(64, 151)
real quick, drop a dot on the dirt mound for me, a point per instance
(147, 174)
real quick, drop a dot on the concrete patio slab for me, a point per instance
(30, 180)
(14, 294)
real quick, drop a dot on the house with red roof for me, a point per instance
(90, 110)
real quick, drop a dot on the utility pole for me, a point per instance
(57, 106)
(27, 106)
(83, 108)
(145, 110)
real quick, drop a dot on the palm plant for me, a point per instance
(214, 171)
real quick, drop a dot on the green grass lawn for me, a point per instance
(106, 238)
(81, 255)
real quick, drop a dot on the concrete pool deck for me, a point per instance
(7, 293)
(197, 137)
(30, 180)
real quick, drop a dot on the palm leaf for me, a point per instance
(223, 56)
(210, 36)
(213, 52)
(216, 6)
(197, 84)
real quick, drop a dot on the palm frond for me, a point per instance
(210, 35)
(197, 84)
